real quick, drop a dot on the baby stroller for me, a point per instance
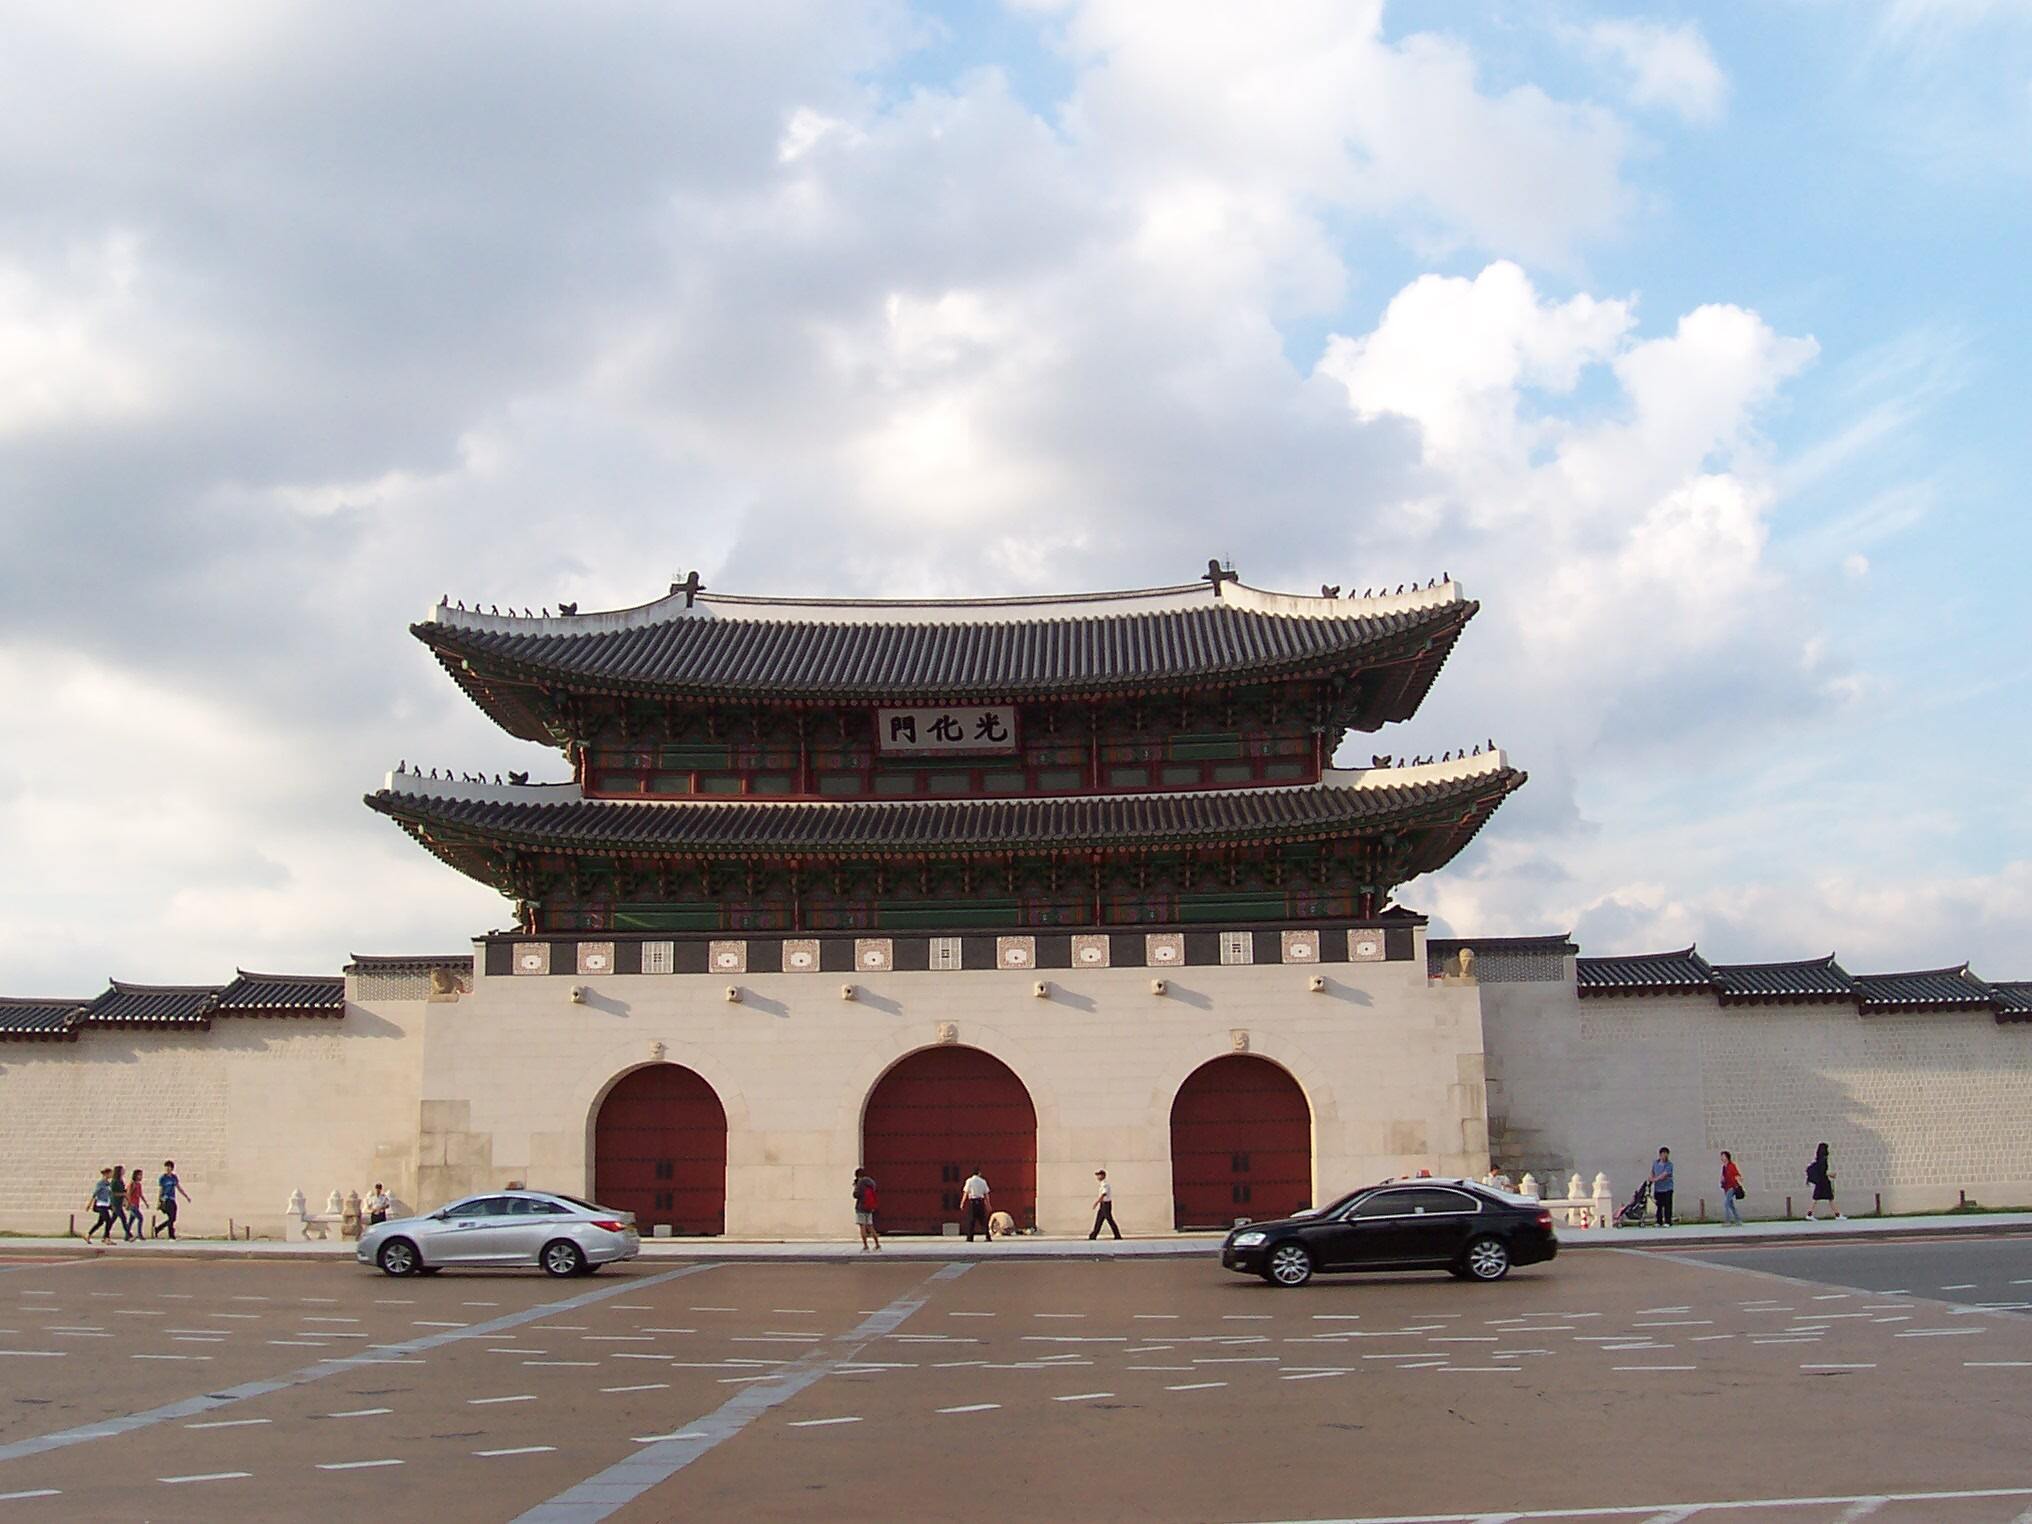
(1639, 1210)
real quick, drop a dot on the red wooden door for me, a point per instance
(1241, 1144)
(660, 1151)
(936, 1118)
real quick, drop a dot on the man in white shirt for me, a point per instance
(1104, 1206)
(377, 1205)
(974, 1206)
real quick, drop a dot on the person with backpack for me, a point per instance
(866, 1198)
(1821, 1178)
(1732, 1189)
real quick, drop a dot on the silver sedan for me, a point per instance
(563, 1235)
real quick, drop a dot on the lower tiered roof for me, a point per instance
(1800, 982)
(461, 822)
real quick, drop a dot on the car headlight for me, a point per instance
(1249, 1240)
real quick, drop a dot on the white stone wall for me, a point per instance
(1391, 1064)
(250, 1109)
(1917, 1107)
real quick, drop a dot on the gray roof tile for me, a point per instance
(1804, 980)
(1670, 973)
(283, 995)
(153, 1005)
(22, 1016)
(1934, 989)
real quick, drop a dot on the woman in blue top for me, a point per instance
(1661, 1186)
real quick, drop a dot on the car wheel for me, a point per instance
(399, 1257)
(1487, 1259)
(1290, 1265)
(562, 1257)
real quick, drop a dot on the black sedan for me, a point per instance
(1457, 1225)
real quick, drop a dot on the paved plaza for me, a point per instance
(1819, 1382)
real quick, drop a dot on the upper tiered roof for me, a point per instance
(697, 646)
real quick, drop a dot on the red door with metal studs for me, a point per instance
(934, 1119)
(1241, 1144)
(660, 1151)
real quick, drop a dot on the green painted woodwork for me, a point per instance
(1233, 906)
(667, 917)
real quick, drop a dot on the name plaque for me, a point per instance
(983, 730)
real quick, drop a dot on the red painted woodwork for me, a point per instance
(1241, 1144)
(933, 1120)
(660, 1151)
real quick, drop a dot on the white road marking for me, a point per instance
(520, 1450)
(648, 1386)
(1861, 1508)
(1161, 1317)
(973, 1315)
(1960, 1286)
(32, 1354)
(1246, 1317)
(40, 1492)
(1082, 1396)
(820, 1423)
(773, 1309)
(482, 1402)
(1997, 1364)
(355, 1465)
(1655, 1367)
(657, 1439)
(313, 1318)
(630, 1307)
(647, 1329)
(973, 1407)
(1195, 1386)
(1831, 1367)
(574, 1364)
(160, 1357)
(1309, 1375)
(204, 1476)
(1646, 1311)
(356, 1413)
(1158, 1367)
(423, 1323)
(229, 1423)
(716, 1309)
(1935, 1333)
(395, 1301)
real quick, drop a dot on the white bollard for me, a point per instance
(1605, 1202)
(1528, 1186)
(294, 1229)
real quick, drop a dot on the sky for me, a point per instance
(1691, 340)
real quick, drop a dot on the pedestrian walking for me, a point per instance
(1661, 1187)
(1732, 1189)
(167, 1188)
(1821, 1178)
(1104, 1206)
(378, 1204)
(120, 1201)
(101, 1206)
(974, 1206)
(866, 1198)
(137, 1205)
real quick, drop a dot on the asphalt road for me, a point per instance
(1648, 1383)
(1987, 1272)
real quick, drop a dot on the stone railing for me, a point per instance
(1583, 1206)
(340, 1214)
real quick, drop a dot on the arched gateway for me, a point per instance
(1241, 1144)
(935, 1118)
(660, 1151)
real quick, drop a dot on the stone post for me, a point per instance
(1605, 1203)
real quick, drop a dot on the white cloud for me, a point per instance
(1661, 66)
(579, 305)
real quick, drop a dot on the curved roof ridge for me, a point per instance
(1352, 779)
(128, 987)
(1821, 962)
(1947, 972)
(682, 602)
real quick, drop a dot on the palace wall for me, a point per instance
(250, 1109)
(1390, 1063)
(1919, 1107)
